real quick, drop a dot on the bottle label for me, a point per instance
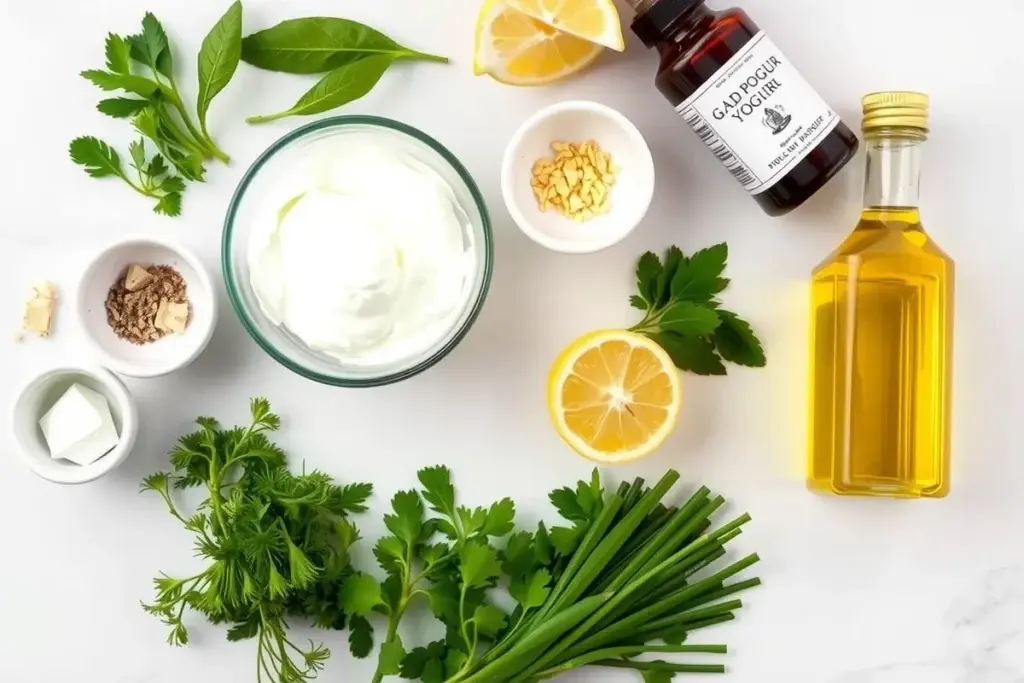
(758, 115)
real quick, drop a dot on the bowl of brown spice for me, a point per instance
(146, 306)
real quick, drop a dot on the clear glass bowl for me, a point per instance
(282, 345)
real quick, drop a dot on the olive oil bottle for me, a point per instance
(882, 329)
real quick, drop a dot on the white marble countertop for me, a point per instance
(856, 591)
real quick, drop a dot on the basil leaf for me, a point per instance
(218, 58)
(320, 44)
(341, 86)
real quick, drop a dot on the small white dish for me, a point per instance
(578, 121)
(41, 393)
(165, 355)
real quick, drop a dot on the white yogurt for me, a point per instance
(363, 252)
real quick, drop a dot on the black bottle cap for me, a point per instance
(653, 25)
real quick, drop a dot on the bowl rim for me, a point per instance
(508, 164)
(241, 311)
(157, 369)
(116, 390)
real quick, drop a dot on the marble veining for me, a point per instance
(986, 639)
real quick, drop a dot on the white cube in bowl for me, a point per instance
(164, 355)
(576, 122)
(40, 395)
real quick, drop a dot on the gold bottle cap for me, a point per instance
(895, 109)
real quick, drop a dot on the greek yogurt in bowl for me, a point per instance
(357, 253)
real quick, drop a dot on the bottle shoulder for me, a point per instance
(900, 244)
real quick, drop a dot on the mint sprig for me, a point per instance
(682, 313)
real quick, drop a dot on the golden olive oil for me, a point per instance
(882, 330)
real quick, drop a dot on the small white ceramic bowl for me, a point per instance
(578, 122)
(164, 355)
(41, 393)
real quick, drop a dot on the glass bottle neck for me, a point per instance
(893, 173)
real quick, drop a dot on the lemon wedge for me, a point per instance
(514, 48)
(596, 21)
(614, 396)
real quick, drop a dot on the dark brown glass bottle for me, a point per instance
(740, 94)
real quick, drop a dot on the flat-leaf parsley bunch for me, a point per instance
(616, 586)
(276, 543)
(679, 297)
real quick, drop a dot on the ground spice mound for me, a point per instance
(133, 315)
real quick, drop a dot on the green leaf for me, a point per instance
(360, 593)
(354, 496)
(688, 319)
(169, 204)
(518, 558)
(391, 655)
(118, 54)
(360, 637)
(432, 554)
(565, 540)
(171, 183)
(489, 620)
(276, 583)
(737, 343)
(500, 518)
(137, 150)
(478, 564)
(339, 87)
(655, 676)
(532, 591)
(121, 107)
(99, 159)
(218, 58)
(106, 80)
(152, 47)
(433, 672)
(543, 548)
(568, 505)
(472, 519)
(390, 553)
(301, 570)
(648, 268)
(407, 522)
(673, 259)
(319, 44)
(438, 489)
(697, 277)
(391, 592)
(444, 600)
(244, 630)
(453, 662)
(693, 354)
(637, 301)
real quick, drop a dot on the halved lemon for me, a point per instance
(517, 49)
(614, 396)
(593, 20)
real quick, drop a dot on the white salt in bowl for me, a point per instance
(629, 198)
(165, 355)
(39, 395)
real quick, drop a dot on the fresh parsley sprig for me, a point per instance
(679, 297)
(617, 583)
(154, 179)
(142, 67)
(277, 544)
(448, 560)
